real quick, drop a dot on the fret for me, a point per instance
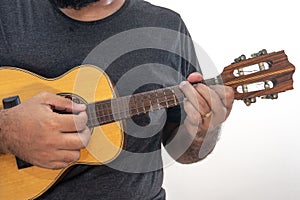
(97, 109)
(174, 96)
(121, 108)
(94, 114)
(99, 112)
(133, 106)
(171, 99)
(107, 111)
(166, 98)
(150, 101)
(161, 98)
(107, 108)
(126, 106)
(120, 112)
(90, 117)
(157, 100)
(147, 102)
(115, 109)
(143, 102)
(139, 103)
(153, 101)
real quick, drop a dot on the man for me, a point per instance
(50, 37)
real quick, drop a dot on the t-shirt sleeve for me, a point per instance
(189, 62)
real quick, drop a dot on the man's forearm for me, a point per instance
(200, 147)
(187, 149)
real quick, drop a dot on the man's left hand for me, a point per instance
(206, 106)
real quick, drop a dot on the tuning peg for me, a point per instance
(260, 53)
(263, 52)
(253, 100)
(267, 85)
(239, 59)
(270, 96)
(249, 101)
(275, 96)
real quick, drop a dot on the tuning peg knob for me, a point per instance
(267, 85)
(270, 96)
(274, 96)
(260, 53)
(250, 101)
(263, 52)
(247, 102)
(253, 100)
(239, 59)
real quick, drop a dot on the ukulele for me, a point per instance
(90, 85)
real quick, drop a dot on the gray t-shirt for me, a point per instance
(141, 45)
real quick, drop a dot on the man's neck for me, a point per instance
(95, 11)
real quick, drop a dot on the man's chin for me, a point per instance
(76, 4)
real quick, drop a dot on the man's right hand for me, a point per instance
(38, 135)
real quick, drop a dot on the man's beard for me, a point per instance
(76, 4)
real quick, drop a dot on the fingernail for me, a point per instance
(183, 83)
(81, 106)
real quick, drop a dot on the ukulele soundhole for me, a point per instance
(74, 97)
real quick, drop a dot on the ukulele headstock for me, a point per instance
(263, 75)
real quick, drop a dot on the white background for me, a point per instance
(258, 156)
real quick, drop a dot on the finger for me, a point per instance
(219, 110)
(191, 128)
(215, 106)
(67, 156)
(213, 100)
(56, 165)
(203, 123)
(205, 92)
(61, 159)
(216, 112)
(191, 94)
(195, 77)
(193, 115)
(194, 130)
(194, 118)
(75, 141)
(53, 165)
(225, 93)
(61, 103)
(72, 122)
